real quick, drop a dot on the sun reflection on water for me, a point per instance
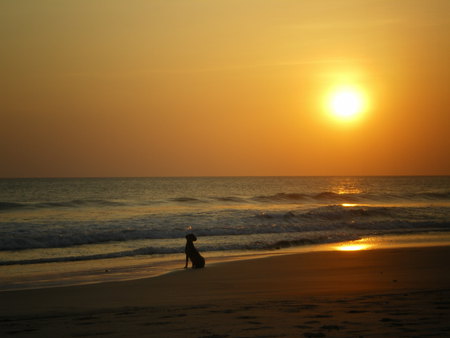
(347, 190)
(353, 247)
(357, 245)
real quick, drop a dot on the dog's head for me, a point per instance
(191, 237)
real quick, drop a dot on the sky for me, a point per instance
(101, 88)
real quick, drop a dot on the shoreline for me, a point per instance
(64, 274)
(342, 292)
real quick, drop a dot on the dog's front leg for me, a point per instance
(187, 261)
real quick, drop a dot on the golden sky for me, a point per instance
(222, 87)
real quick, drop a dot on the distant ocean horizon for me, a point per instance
(81, 230)
(213, 176)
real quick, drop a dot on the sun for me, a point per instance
(346, 102)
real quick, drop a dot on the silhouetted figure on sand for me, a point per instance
(192, 253)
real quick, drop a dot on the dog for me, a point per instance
(192, 253)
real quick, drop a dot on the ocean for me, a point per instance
(63, 231)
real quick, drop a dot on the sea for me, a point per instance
(67, 231)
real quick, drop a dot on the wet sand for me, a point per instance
(372, 293)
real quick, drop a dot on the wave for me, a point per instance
(332, 197)
(140, 251)
(281, 197)
(339, 212)
(10, 205)
(230, 199)
(435, 195)
(320, 239)
(227, 222)
(325, 197)
(64, 204)
(253, 245)
(186, 200)
(270, 243)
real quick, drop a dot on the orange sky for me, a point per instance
(223, 87)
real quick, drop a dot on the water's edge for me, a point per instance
(132, 268)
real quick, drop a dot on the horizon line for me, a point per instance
(222, 176)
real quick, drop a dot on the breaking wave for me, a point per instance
(334, 218)
(52, 220)
(325, 197)
(68, 204)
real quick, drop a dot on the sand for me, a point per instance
(388, 292)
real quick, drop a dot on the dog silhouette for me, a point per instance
(192, 253)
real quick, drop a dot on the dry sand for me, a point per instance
(390, 292)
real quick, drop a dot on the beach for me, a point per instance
(300, 148)
(61, 232)
(366, 293)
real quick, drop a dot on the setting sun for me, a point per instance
(224, 88)
(346, 103)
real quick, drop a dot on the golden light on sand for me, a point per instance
(345, 103)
